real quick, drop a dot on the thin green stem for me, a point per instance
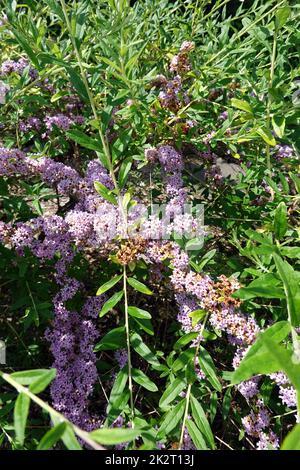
(128, 346)
(79, 432)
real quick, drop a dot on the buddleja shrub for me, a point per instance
(126, 326)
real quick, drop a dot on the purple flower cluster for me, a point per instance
(17, 66)
(283, 151)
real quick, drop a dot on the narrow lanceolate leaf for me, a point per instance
(241, 104)
(114, 339)
(172, 392)
(139, 286)
(171, 419)
(68, 437)
(105, 192)
(195, 435)
(138, 312)
(143, 350)
(51, 437)
(266, 135)
(140, 378)
(280, 221)
(202, 422)
(184, 340)
(109, 284)
(21, 411)
(112, 436)
(116, 393)
(111, 303)
(258, 359)
(291, 288)
(84, 140)
(207, 365)
(43, 381)
(292, 441)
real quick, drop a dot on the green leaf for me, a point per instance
(241, 104)
(138, 312)
(28, 377)
(140, 378)
(21, 411)
(196, 316)
(43, 381)
(124, 171)
(280, 221)
(139, 286)
(291, 288)
(111, 302)
(116, 394)
(257, 359)
(278, 123)
(292, 440)
(142, 349)
(202, 422)
(113, 436)
(105, 193)
(171, 419)
(195, 435)
(146, 325)
(172, 391)
(284, 360)
(282, 15)
(207, 365)
(266, 286)
(266, 135)
(84, 140)
(68, 437)
(24, 43)
(114, 339)
(184, 340)
(51, 437)
(109, 284)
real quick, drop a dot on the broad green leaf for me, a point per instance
(280, 221)
(185, 339)
(171, 419)
(51, 437)
(266, 135)
(140, 378)
(196, 316)
(285, 361)
(172, 391)
(292, 440)
(282, 15)
(114, 339)
(139, 286)
(278, 123)
(202, 422)
(258, 359)
(21, 411)
(266, 286)
(113, 436)
(28, 377)
(43, 381)
(142, 349)
(105, 193)
(84, 140)
(116, 394)
(196, 435)
(145, 324)
(138, 312)
(68, 437)
(291, 288)
(123, 173)
(207, 365)
(111, 303)
(109, 284)
(241, 104)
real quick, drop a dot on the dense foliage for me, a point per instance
(130, 329)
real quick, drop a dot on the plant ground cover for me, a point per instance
(149, 225)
